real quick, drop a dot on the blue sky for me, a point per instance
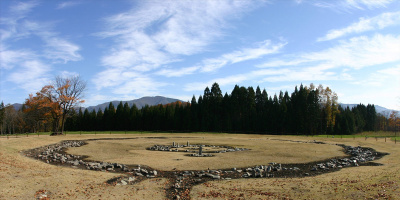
(129, 49)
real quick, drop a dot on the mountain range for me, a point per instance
(151, 101)
(140, 103)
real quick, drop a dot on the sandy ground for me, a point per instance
(26, 178)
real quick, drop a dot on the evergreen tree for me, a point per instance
(134, 118)
(2, 118)
(125, 117)
(99, 121)
(119, 117)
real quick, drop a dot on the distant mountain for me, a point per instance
(379, 109)
(151, 101)
(17, 106)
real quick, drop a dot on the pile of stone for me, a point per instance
(175, 148)
(200, 155)
(51, 153)
(101, 166)
(126, 180)
(160, 148)
(54, 154)
(358, 155)
(265, 170)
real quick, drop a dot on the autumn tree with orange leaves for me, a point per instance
(394, 121)
(54, 102)
(43, 108)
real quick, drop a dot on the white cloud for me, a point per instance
(264, 48)
(23, 7)
(158, 33)
(25, 66)
(60, 49)
(177, 72)
(153, 34)
(10, 58)
(31, 76)
(68, 4)
(213, 64)
(66, 74)
(384, 78)
(365, 24)
(113, 77)
(329, 64)
(360, 4)
(141, 86)
(351, 4)
(357, 52)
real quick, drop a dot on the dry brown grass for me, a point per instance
(22, 177)
(263, 151)
(378, 182)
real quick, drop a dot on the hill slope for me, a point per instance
(151, 101)
(379, 109)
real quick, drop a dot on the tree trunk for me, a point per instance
(63, 123)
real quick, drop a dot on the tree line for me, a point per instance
(308, 110)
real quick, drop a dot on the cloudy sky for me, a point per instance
(129, 49)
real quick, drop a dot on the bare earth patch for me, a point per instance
(24, 178)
